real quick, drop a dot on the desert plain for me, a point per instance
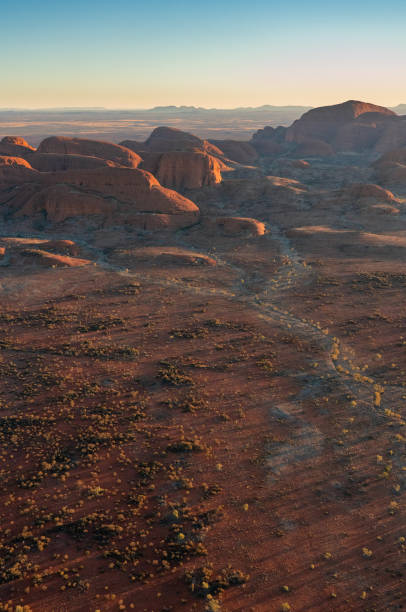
(202, 399)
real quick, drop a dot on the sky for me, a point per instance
(223, 54)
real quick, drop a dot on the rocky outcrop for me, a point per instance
(14, 171)
(91, 148)
(186, 170)
(102, 197)
(366, 193)
(269, 142)
(257, 196)
(392, 137)
(323, 123)
(390, 169)
(45, 259)
(392, 174)
(237, 150)
(17, 141)
(235, 226)
(161, 256)
(14, 146)
(313, 148)
(61, 247)
(397, 156)
(53, 162)
(180, 160)
(14, 162)
(166, 139)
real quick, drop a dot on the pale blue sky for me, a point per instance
(127, 53)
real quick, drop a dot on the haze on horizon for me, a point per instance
(221, 54)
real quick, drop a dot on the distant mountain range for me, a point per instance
(400, 109)
(241, 109)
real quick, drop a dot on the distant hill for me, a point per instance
(400, 109)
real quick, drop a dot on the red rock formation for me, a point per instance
(357, 136)
(366, 192)
(236, 226)
(393, 137)
(162, 256)
(179, 159)
(92, 148)
(53, 162)
(106, 196)
(39, 257)
(390, 169)
(165, 139)
(396, 156)
(14, 146)
(313, 148)
(61, 247)
(14, 162)
(186, 170)
(269, 141)
(391, 173)
(237, 150)
(134, 145)
(323, 123)
(17, 140)
(300, 164)
(14, 171)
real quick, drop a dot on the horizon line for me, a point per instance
(171, 106)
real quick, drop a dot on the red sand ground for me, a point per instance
(156, 428)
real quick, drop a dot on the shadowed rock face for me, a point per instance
(236, 150)
(397, 156)
(390, 169)
(53, 162)
(313, 148)
(93, 148)
(269, 141)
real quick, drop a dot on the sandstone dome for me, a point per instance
(323, 123)
(53, 162)
(166, 139)
(102, 196)
(92, 148)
